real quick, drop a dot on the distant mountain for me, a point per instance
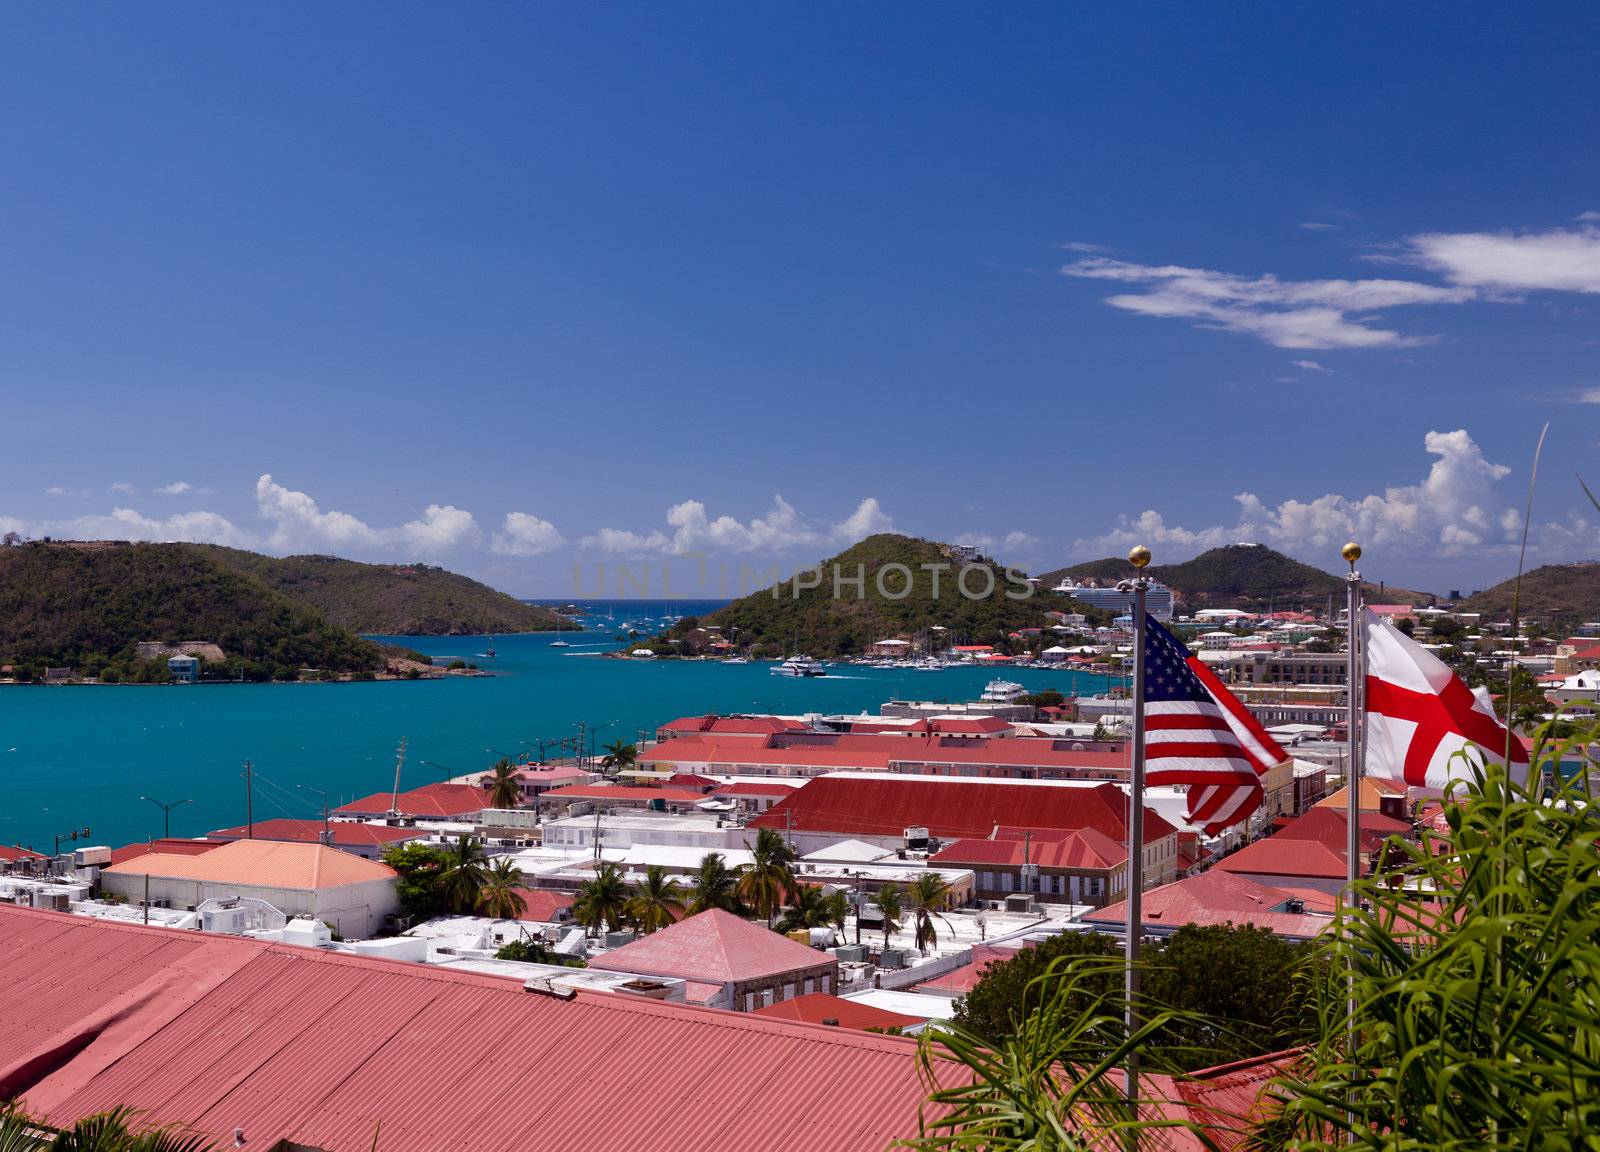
(1560, 594)
(820, 623)
(391, 599)
(1239, 576)
(88, 606)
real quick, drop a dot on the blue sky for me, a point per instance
(506, 287)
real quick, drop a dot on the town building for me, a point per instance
(184, 669)
(727, 962)
(311, 880)
(836, 1012)
(1222, 897)
(1052, 865)
(361, 839)
(447, 802)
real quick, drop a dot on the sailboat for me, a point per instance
(487, 654)
(558, 642)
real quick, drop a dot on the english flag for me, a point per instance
(1197, 733)
(1420, 714)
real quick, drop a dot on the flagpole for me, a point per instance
(1139, 557)
(1354, 681)
(1352, 694)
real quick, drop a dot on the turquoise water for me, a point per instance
(72, 757)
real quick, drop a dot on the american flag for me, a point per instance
(1198, 734)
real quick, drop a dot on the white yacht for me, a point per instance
(929, 664)
(1002, 692)
(800, 666)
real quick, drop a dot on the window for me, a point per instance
(788, 991)
(766, 997)
(811, 985)
(825, 980)
(749, 1001)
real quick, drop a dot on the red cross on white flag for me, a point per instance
(1420, 714)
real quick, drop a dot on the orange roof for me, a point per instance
(623, 794)
(172, 847)
(431, 802)
(1285, 856)
(1220, 897)
(260, 864)
(346, 833)
(1369, 792)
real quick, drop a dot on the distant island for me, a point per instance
(118, 612)
(1250, 576)
(977, 601)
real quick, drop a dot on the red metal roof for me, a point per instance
(543, 905)
(960, 981)
(1219, 897)
(331, 1051)
(1285, 856)
(716, 947)
(430, 802)
(12, 854)
(623, 794)
(1079, 848)
(171, 846)
(951, 808)
(756, 788)
(346, 833)
(820, 1006)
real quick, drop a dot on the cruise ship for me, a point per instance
(800, 666)
(1158, 598)
(1002, 692)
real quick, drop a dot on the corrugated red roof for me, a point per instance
(346, 833)
(951, 808)
(1218, 897)
(1079, 848)
(171, 846)
(623, 794)
(10, 855)
(332, 1051)
(820, 1006)
(430, 802)
(754, 788)
(716, 947)
(543, 905)
(961, 980)
(1330, 828)
(1285, 856)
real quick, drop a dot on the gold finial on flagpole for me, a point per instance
(1351, 552)
(1139, 556)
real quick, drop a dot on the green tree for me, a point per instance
(926, 896)
(714, 886)
(465, 869)
(419, 867)
(657, 900)
(602, 900)
(998, 1002)
(619, 757)
(505, 790)
(888, 902)
(808, 908)
(768, 881)
(501, 896)
(837, 908)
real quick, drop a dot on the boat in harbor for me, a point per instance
(800, 666)
(734, 660)
(1002, 692)
(929, 664)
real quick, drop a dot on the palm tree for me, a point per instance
(807, 909)
(112, 1131)
(769, 880)
(499, 897)
(889, 904)
(927, 894)
(657, 901)
(504, 789)
(714, 886)
(837, 904)
(619, 755)
(463, 875)
(602, 901)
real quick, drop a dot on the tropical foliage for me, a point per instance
(714, 886)
(927, 896)
(619, 757)
(602, 901)
(500, 895)
(888, 902)
(657, 900)
(505, 790)
(768, 881)
(463, 875)
(115, 1131)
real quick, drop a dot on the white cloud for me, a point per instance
(1458, 506)
(176, 488)
(1284, 313)
(781, 529)
(1559, 260)
(999, 546)
(121, 487)
(1589, 396)
(523, 534)
(59, 490)
(1310, 366)
(868, 519)
(299, 523)
(443, 527)
(1588, 217)
(1318, 226)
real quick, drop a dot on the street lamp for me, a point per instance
(449, 773)
(166, 813)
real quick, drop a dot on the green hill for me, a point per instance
(1560, 594)
(1239, 576)
(818, 622)
(390, 599)
(88, 606)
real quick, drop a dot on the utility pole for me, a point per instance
(399, 763)
(597, 835)
(788, 829)
(1139, 557)
(582, 732)
(326, 838)
(249, 802)
(858, 907)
